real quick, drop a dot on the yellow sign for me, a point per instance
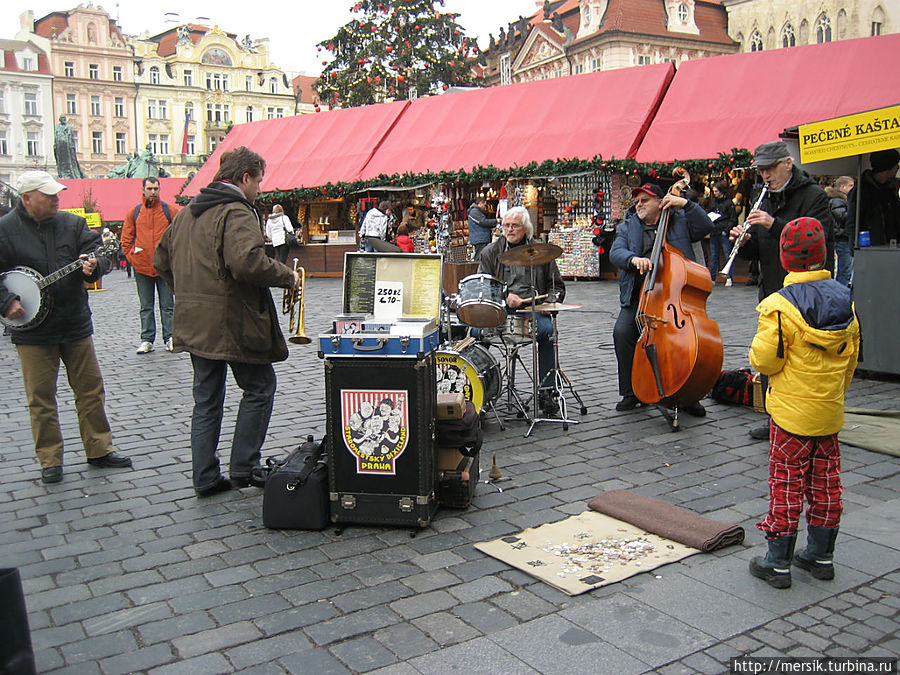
(93, 220)
(850, 135)
(77, 212)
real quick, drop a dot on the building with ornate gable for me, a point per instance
(194, 83)
(93, 86)
(773, 24)
(569, 37)
(26, 109)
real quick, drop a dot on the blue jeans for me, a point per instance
(258, 384)
(545, 345)
(145, 288)
(844, 252)
(716, 241)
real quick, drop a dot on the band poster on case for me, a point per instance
(419, 275)
(375, 427)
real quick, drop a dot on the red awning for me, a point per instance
(308, 150)
(742, 100)
(113, 196)
(578, 117)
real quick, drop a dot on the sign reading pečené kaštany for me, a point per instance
(850, 135)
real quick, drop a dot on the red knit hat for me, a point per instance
(802, 245)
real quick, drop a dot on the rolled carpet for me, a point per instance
(667, 520)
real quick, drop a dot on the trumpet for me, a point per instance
(743, 236)
(289, 301)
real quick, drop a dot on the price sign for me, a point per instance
(388, 300)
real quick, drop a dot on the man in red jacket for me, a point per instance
(144, 226)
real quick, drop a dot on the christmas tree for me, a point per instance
(395, 49)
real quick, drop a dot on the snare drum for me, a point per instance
(482, 301)
(473, 371)
(515, 327)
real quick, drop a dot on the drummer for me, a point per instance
(518, 231)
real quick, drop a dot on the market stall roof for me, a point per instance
(113, 196)
(742, 100)
(308, 150)
(579, 117)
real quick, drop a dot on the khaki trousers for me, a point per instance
(40, 370)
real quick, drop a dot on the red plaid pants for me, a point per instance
(802, 466)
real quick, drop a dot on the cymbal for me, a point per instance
(550, 307)
(531, 254)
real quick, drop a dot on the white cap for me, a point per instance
(40, 181)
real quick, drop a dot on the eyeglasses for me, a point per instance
(512, 226)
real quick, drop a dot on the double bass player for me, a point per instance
(630, 252)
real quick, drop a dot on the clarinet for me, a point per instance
(743, 236)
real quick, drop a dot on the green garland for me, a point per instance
(724, 163)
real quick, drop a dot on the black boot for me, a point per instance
(818, 558)
(775, 567)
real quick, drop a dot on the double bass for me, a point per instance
(678, 356)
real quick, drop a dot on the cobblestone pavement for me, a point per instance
(126, 571)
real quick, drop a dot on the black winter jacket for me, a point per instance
(801, 197)
(725, 208)
(23, 241)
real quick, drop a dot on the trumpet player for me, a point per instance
(213, 257)
(791, 194)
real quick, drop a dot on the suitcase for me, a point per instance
(458, 476)
(295, 496)
(380, 439)
(372, 344)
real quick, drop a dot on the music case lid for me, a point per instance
(419, 274)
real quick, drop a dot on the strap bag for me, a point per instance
(464, 435)
(295, 496)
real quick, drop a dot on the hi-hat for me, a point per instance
(531, 254)
(550, 307)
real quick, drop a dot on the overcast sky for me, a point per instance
(293, 28)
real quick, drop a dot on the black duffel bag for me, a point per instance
(464, 435)
(295, 496)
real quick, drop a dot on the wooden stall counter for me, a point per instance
(321, 260)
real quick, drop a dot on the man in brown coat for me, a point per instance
(213, 257)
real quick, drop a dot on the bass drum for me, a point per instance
(24, 282)
(473, 372)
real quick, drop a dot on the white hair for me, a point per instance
(524, 221)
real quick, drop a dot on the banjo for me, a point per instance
(31, 287)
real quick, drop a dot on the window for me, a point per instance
(213, 142)
(28, 63)
(95, 106)
(71, 105)
(188, 77)
(191, 145)
(120, 106)
(644, 60)
(117, 73)
(578, 69)
(151, 108)
(505, 69)
(823, 29)
(876, 28)
(69, 68)
(596, 65)
(189, 110)
(154, 75)
(153, 143)
(249, 113)
(248, 82)
(787, 36)
(97, 142)
(164, 144)
(32, 144)
(75, 138)
(216, 82)
(273, 86)
(683, 13)
(756, 43)
(2, 101)
(31, 104)
(4, 148)
(163, 109)
(270, 113)
(121, 147)
(94, 71)
(217, 112)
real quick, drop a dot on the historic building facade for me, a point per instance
(569, 37)
(773, 24)
(93, 88)
(26, 110)
(194, 83)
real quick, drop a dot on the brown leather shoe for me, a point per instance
(52, 474)
(111, 461)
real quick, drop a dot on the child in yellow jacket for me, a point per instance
(807, 343)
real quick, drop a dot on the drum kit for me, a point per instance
(468, 366)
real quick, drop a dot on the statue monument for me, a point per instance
(139, 165)
(65, 152)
